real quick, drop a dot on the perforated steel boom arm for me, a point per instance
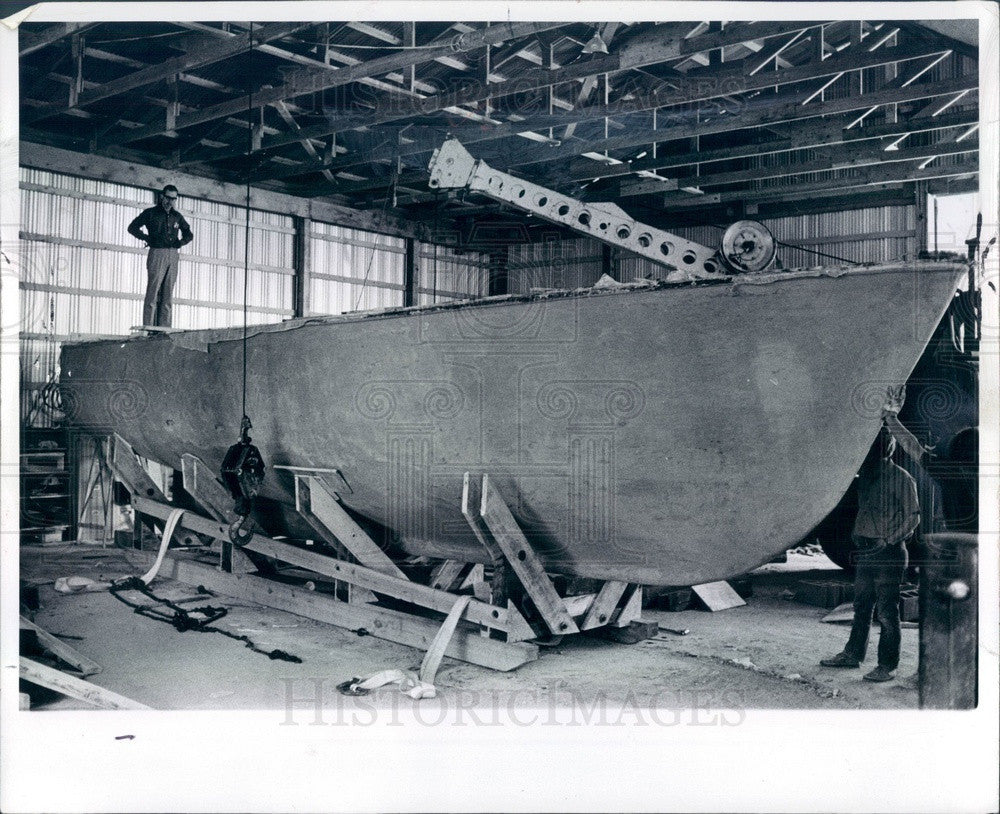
(747, 245)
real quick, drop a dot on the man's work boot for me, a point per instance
(841, 660)
(880, 674)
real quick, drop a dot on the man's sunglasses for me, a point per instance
(170, 197)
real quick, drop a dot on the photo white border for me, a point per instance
(774, 761)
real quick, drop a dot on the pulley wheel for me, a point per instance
(747, 246)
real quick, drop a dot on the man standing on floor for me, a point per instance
(166, 231)
(888, 514)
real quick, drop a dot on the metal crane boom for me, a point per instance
(746, 245)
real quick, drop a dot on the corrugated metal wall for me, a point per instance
(354, 270)
(444, 274)
(84, 274)
(873, 235)
(573, 263)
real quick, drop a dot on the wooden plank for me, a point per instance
(631, 609)
(200, 482)
(317, 505)
(380, 622)
(130, 472)
(519, 554)
(62, 650)
(74, 687)
(603, 607)
(578, 604)
(404, 589)
(444, 576)
(718, 596)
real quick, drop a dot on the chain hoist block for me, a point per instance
(242, 474)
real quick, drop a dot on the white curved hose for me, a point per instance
(168, 531)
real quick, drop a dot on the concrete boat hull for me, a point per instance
(665, 435)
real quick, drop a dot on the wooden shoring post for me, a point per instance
(479, 613)
(522, 559)
(500, 582)
(632, 608)
(323, 512)
(128, 470)
(302, 262)
(603, 607)
(445, 575)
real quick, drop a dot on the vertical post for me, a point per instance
(76, 47)
(608, 261)
(920, 203)
(410, 41)
(410, 273)
(498, 280)
(302, 263)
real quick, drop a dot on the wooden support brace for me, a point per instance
(446, 574)
(74, 687)
(603, 607)
(128, 470)
(631, 610)
(383, 623)
(325, 514)
(358, 575)
(523, 560)
(62, 650)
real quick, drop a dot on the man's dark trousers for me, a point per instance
(878, 576)
(157, 308)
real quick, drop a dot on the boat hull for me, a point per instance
(664, 435)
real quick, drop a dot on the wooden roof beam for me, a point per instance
(662, 44)
(690, 89)
(843, 158)
(155, 73)
(902, 172)
(31, 41)
(309, 81)
(811, 136)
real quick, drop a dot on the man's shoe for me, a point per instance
(841, 660)
(880, 674)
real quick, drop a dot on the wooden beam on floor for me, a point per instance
(62, 650)
(383, 623)
(75, 687)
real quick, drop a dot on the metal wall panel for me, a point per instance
(573, 263)
(444, 274)
(872, 235)
(83, 274)
(354, 270)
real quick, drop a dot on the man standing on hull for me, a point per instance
(888, 514)
(166, 231)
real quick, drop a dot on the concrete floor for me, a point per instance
(764, 655)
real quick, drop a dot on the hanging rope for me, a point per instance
(243, 465)
(246, 238)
